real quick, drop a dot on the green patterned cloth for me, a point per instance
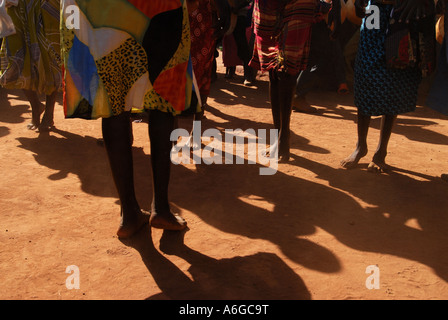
(31, 58)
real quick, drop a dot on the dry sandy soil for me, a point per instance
(307, 232)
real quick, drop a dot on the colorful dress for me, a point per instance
(283, 34)
(30, 59)
(202, 45)
(379, 89)
(127, 55)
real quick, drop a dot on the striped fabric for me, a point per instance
(283, 34)
(202, 45)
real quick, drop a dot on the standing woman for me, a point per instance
(30, 59)
(282, 31)
(438, 94)
(203, 44)
(386, 81)
(125, 55)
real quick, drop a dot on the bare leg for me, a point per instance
(361, 146)
(201, 115)
(378, 163)
(281, 91)
(161, 124)
(36, 109)
(286, 90)
(117, 134)
(274, 95)
(48, 118)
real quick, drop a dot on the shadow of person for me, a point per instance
(230, 93)
(262, 276)
(415, 126)
(332, 105)
(4, 131)
(13, 113)
(236, 199)
(297, 142)
(404, 215)
(417, 129)
(395, 214)
(69, 153)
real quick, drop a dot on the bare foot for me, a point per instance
(378, 163)
(353, 159)
(132, 225)
(35, 121)
(32, 126)
(46, 124)
(284, 158)
(299, 104)
(444, 177)
(378, 167)
(271, 151)
(167, 221)
(284, 155)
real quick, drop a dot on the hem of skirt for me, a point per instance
(379, 114)
(88, 115)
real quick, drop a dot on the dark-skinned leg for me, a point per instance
(161, 124)
(118, 138)
(287, 84)
(48, 118)
(274, 97)
(36, 109)
(378, 163)
(361, 146)
(201, 115)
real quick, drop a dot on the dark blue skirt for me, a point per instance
(379, 89)
(438, 95)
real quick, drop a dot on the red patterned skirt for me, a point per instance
(283, 34)
(202, 45)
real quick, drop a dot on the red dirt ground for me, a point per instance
(307, 232)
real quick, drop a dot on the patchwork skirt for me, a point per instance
(126, 55)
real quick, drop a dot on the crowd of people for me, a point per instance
(160, 56)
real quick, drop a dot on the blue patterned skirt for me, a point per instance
(379, 89)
